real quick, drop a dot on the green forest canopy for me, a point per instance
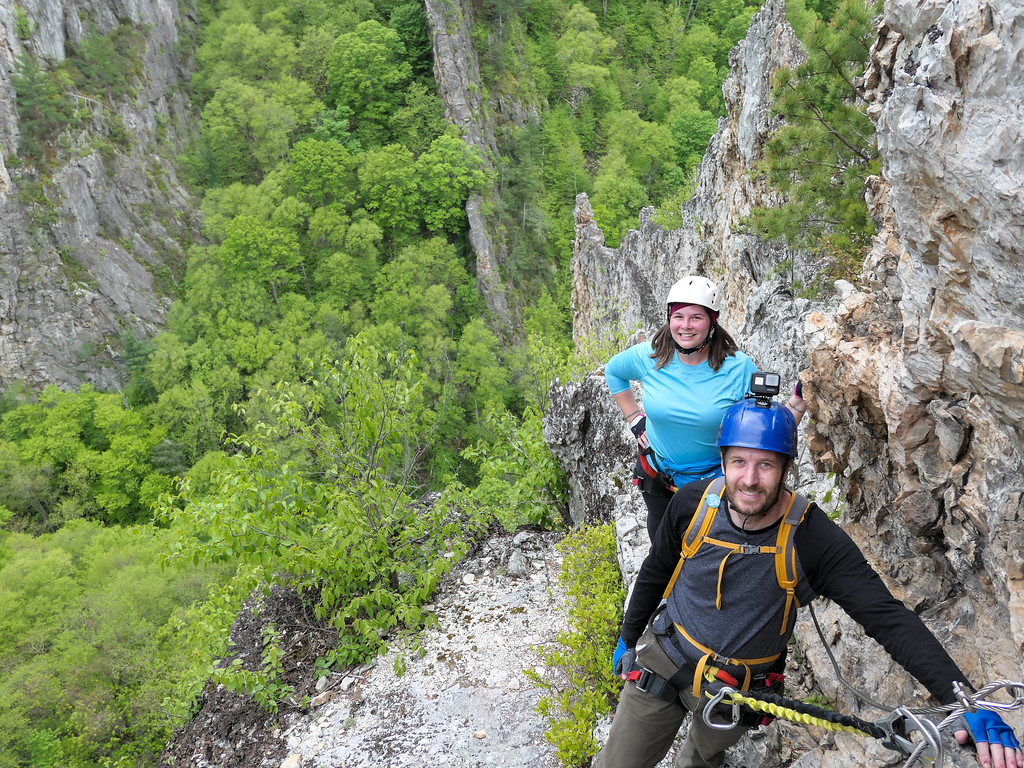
(334, 292)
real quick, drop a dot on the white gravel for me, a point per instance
(465, 702)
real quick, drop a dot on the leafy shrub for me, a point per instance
(318, 497)
(520, 481)
(586, 688)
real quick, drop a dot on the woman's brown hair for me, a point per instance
(720, 346)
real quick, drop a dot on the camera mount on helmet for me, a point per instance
(758, 421)
(764, 386)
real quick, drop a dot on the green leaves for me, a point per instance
(367, 74)
(447, 173)
(77, 455)
(84, 642)
(261, 252)
(594, 596)
(318, 496)
(826, 149)
(519, 479)
(582, 51)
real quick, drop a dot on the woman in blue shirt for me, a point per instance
(691, 372)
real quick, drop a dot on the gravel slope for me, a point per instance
(465, 702)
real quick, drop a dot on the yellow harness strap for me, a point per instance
(785, 567)
(710, 655)
(785, 553)
(699, 525)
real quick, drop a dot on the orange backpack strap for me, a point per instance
(699, 525)
(785, 553)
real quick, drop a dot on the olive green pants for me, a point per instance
(645, 725)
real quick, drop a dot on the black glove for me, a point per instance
(639, 426)
(798, 389)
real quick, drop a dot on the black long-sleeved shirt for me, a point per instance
(834, 567)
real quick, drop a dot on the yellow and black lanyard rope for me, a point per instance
(894, 730)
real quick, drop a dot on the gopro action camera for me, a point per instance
(764, 386)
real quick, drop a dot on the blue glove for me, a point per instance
(617, 656)
(988, 726)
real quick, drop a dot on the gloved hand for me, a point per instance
(638, 426)
(988, 726)
(798, 389)
(623, 659)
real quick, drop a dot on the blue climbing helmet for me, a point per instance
(759, 423)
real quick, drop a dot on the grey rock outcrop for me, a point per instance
(913, 375)
(99, 254)
(917, 377)
(457, 74)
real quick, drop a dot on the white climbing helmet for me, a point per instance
(693, 289)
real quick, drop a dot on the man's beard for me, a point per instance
(760, 511)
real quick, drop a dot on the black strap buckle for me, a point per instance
(645, 678)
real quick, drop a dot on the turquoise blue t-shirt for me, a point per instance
(684, 404)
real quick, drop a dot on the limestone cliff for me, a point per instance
(100, 253)
(917, 377)
(458, 80)
(914, 376)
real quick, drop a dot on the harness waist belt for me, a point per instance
(710, 655)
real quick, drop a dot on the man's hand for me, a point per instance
(993, 738)
(623, 659)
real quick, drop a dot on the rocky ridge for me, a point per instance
(457, 74)
(81, 268)
(922, 366)
(464, 701)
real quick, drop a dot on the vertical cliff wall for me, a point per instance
(99, 253)
(917, 377)
(458, 80)
(914, 374)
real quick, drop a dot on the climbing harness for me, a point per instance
(755, 702)
(785, 570)
(894, 730)
(658, 481)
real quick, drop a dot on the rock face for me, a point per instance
(917, 377)
(624, 289)
(95, 258)
(914, 376)
(458, 80)
(461, 699)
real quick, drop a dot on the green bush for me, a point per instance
(594, 596)
(519, 479)
(319, 497)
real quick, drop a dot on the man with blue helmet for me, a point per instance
(752, 552)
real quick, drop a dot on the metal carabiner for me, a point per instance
(715, 701)
(897, 731)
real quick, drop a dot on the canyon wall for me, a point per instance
(91, 244)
